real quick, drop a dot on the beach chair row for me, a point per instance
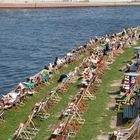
(71, 119)
(42, 109)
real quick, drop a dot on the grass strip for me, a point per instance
(98, 117)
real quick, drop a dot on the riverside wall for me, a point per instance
(65, 3)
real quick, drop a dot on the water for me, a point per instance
(31, 38)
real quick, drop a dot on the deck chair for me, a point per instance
(97, 81)
(79, 105)
(58, 130)
(79, 119)
(68, 81)
(73, 127)
(21, 134)
(30, 127)
(74, 124)
(67, 131)
(1, 114)
(109, 58)
(88, 96)
(41, 111)
(99, 73)
(54, 97)
(62, 86)
(66, 84)
(82, 107)
(73, 79)
(18, 134)
(92, 88)
(121, 100)
(71, 134)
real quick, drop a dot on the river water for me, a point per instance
(31, 38)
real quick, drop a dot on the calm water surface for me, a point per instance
(29, 39)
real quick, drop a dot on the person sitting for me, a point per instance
(23, 89)
(55, 61)
(29, 83)
(62, 78)
(18, 131)
(11, 99)
(45, 75)
(85, 83)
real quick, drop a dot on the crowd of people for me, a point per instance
(101, 53)
(28, 87)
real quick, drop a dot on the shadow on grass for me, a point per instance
(114, 92)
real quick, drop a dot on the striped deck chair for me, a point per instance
(2, 114)
(30, 128)
(75, 123)
(82, 107)
(62, 86)
(77, 117)
(73, 127)
(66, 84)
(67, 131)
(49, 101)
(71, 78)
(97, 82)
(54, 97)
(41, 112)
(87, 94)
(21, 134)
(57, 132)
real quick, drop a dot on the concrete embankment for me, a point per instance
(65, 5)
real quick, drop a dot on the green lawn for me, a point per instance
(98, 117)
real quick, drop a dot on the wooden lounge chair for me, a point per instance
(30, 127)
(82, 107)
(21, 133)
(87, 95)
(54, 97)
(40, 111)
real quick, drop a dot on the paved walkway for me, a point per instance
(63, 5)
